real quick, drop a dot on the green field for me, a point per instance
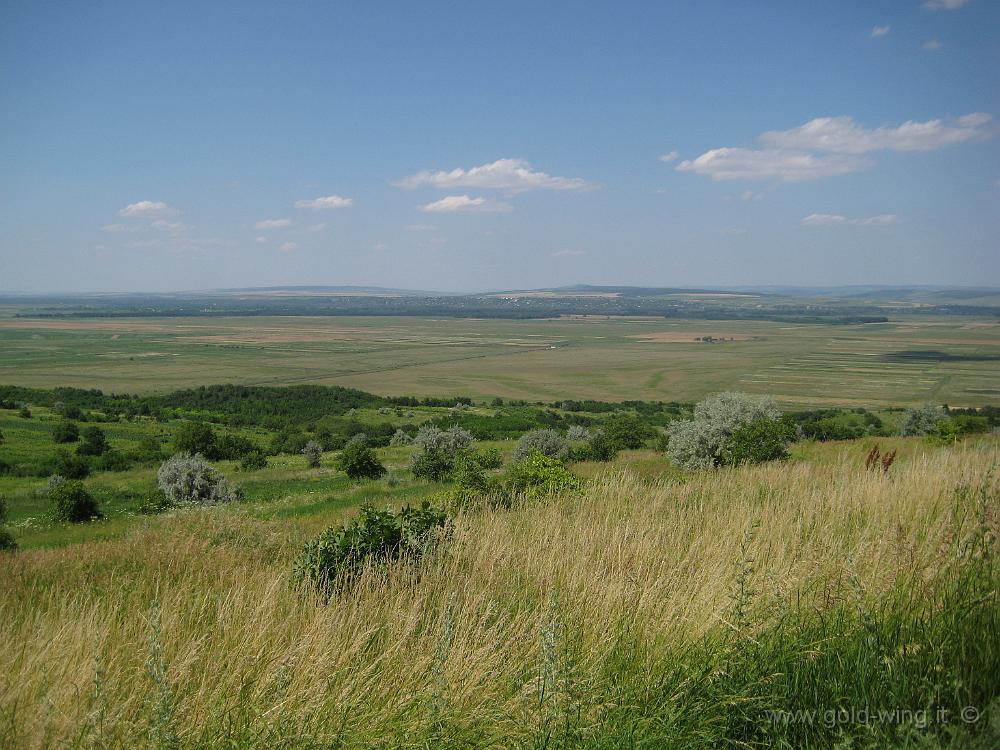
(951, 360)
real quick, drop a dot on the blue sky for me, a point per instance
(467, 146)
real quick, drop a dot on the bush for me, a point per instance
(538, 474)
(547, 442)
(66, 432)
(359, 461)
(149, 447)
(627, 431)
(95, 442)
(232, 447)
(7, 542)
(71, 467)
(24, 413)
(192, 480)
(313, 452)
(71, 503)
(599, 448)
(378, 536)
(921, 420)
(254, 461)
(450, 441)
(577, 432)
(400, 438)
(194, 437)
(757, 442)
(698, 443)
(154, 503)
(473, 469)
(434, 466)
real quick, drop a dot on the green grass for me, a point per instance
(909, 360)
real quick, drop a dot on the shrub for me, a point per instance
(232, 447)
(71, 503)
(378, 536)
(761, 440)
(66, 432)
(435, 466)
(24, 413)
(577, 432)
(698, 443)
(254, 461)
(149, 447)
(599, 448)
(450, 441)
(547, 442)
(194, 437)
(153, 503)
(7, 542)
(359, 461)
(473, 469)
(400, 438)
(95, 442)
(71, 467)
(313, 452)
(191, 479)
(3, 439)
(921, 420)
(627, 431)
(538, 474)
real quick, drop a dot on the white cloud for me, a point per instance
(878, 31)
(326, 201)
(464, 204)
(824, 220)
(146, 209)
(288, 247)
(272, 224)
(671, 156)
(116, 228)
(944, 4)
(568, 253)
(261, 239)
(167, 226)
(514, 175)
(831, 146)
(761, 164)
(932, 45)
(317, 227)
(380, 247)
(843, 135)
(750, 195)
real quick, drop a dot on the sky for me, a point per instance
(483, 146)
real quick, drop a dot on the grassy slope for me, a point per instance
(644, 612)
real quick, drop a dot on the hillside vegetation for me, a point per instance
(631, 613)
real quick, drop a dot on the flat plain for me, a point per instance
(914, 358)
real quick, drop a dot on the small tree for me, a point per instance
(313, 452)
(191, 479)
(577, 432)
(7, 542)
(627, 431)
(195, 437)
(95, 442)
(922, 420)
(547, 442)
(71, 467)
(400, 438)
(66, 432)
(757, 442)
(24, 412)
(71, 503)
(253, 461)
(359, 461)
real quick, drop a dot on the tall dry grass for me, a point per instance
(529, 627)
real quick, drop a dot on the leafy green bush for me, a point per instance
(376, 536)
(538, 475)
(761, 440)
(192, 480)
(95, 442)
(473, 469)
(435, 466)
(598, 448)
(359, 461)
(549, 443)
(71, 467)
(254, 461)
(193, 437)
(71, 503)
(7, 542)
(439, 451)
(66, 432)
(313, 452)
(627, 431)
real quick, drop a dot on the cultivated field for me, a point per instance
(954, 360)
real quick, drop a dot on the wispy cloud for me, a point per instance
(326, 201)
(825, 220)
(272, 224)
(419, 227)
(831, 146)
(288, 247)
(465, 204)
(878, 31)
(568, 253)
(670, 156)
(317, 227)
(944, 4)
(932, 45)
(146, 209)
(512, 175)
(167, 226)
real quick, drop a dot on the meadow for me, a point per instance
(746, 607)
(949, 359)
